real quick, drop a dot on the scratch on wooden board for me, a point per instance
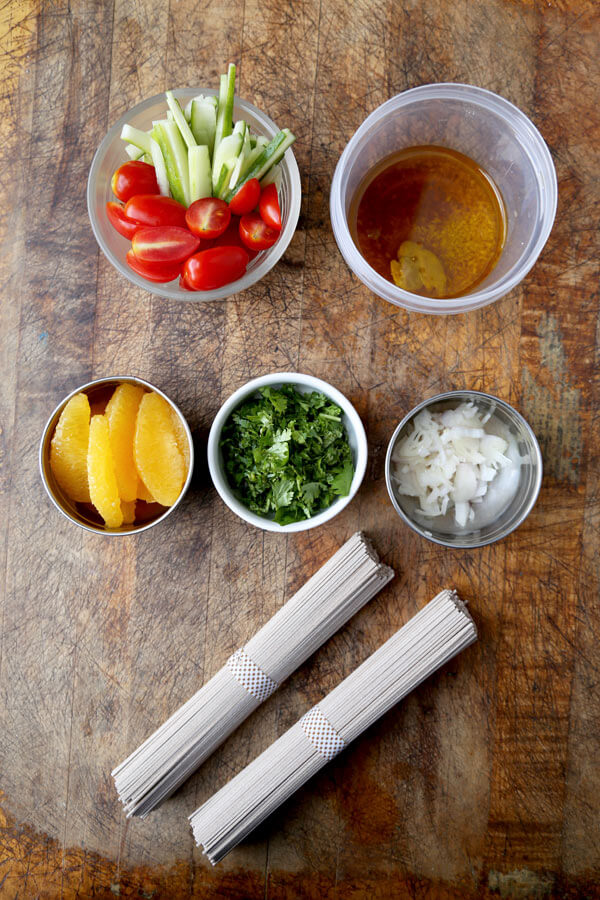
(554, 412)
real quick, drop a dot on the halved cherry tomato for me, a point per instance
(268, 207)
(167, 244)
(255, 233)
(134, 177)
(208, 218)
(231, 238)
(152, 271)
(152, 209)
(214, 268)
(119, 220)
(246, 198)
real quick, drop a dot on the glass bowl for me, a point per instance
(303, 384)
(509, 517)
(111, 154)
(491, 131)
(98, 390)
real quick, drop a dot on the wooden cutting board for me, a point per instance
(484, 783)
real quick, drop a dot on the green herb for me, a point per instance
(286, 454)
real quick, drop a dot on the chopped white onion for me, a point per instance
(449, 460)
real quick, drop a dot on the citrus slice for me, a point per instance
(181, 438)
(128, 510)
(69, 447)
(104, 490)
(143, 493)
(121, 412)
(159, 461)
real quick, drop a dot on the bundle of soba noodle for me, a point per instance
(338, 590)
(438, 632)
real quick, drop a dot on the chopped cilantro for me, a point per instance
(286, 454)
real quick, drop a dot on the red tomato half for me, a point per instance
(268, 207)
(246, 198)
(168, 244)
(214, 268)
(231, 238)
(134, 177)
(152, 271)
(255, 233)
(119, 220)
(152, 209)
(208, 218)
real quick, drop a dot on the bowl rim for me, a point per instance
(545, 170)
(49, 429)
(167, 291)
(220, 481)
(465, 395)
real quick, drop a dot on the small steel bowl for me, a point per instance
(99, 391)
(519, 507)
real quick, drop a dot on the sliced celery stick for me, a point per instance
(227, 151)
(273, 176)
(136, 137)
(178, 116)
(225, 111)
(160, 168)
(200, 173)
(174, 151)
(204, 121)
(271, 154)
(133, 152)
(187, 111)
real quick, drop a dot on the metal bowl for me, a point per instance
(510, 517)
(98, 390)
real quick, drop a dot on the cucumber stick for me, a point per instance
(200, 172)
(140, 139)
(198, 151)
(260, 143)
(160, 168)
(225, 109)
(226, 154)
(203, 121)
(180, 121)
(273, 176)
(174, 151)
(133, 152)
(271, 154)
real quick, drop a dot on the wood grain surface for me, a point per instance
(484, 782)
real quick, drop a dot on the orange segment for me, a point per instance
(128, 510)
(181, 438)
(121, 412)
(69, 447)
(157, 456)
(143, 492)
(104, 490)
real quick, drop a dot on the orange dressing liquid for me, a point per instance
(430, 220)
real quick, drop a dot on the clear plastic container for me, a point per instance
(111, 154)
(493, 132)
